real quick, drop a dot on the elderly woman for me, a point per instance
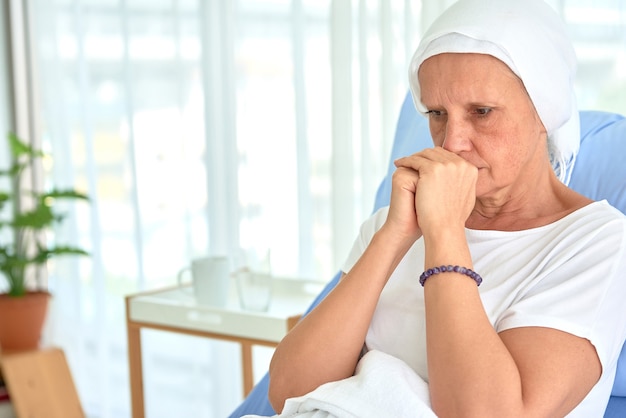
(521, 273)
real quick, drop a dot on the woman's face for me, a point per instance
(479, 109)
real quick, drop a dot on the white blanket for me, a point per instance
(383, 386)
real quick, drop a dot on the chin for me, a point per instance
(485, 191)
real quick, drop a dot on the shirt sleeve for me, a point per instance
(581, 292)
(366, 232)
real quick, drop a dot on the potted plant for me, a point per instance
(25, 217)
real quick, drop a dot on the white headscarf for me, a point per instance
(531, 39)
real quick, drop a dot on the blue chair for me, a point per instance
(599, 173)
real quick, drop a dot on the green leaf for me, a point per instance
(12, 266)
(38, 218)
(14, 261)
(17, 289)
(4, 198)
(64, 194)
(19, 147)
(45, 254)
(27, 221)
(14, 170)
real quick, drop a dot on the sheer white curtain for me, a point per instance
(197, 126)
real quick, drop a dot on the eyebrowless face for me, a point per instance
(480, 110)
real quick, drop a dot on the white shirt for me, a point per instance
(569, 275)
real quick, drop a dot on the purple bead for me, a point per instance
(450, 268)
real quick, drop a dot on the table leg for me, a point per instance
(136, 370)
(246, 363)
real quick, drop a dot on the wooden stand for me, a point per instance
(40, 384)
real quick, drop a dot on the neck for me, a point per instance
(542, 201)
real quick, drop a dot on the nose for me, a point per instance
(457, 135)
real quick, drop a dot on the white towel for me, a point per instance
(383, 386)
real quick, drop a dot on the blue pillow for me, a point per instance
(600, 173)
(619, 387)
(600, 168)
(412, 135)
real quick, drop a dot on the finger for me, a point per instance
(405, 178)
(436, 154)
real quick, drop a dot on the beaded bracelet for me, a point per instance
(456, 269)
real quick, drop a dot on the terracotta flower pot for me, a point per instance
(22, 319)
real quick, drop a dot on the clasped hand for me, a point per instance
(431, 190)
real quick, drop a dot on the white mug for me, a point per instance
(210, 279)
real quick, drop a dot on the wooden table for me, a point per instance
(175, 310)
